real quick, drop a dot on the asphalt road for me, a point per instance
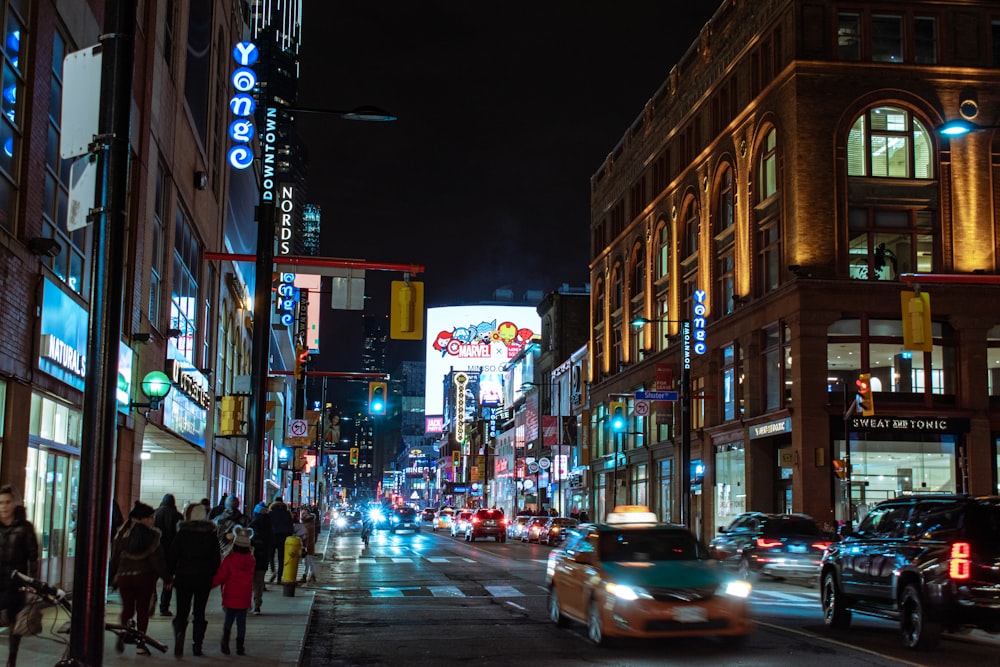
(429, 599)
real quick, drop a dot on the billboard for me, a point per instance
(480, 339)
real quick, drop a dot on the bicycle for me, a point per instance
(127, 634)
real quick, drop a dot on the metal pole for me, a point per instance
(559, 447)
(321, 437)
(685, 453)
(100, 403)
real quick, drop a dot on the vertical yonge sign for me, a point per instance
(286, 300)
(243, 105)
(700, 310)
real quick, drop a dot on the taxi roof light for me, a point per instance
(627, 514)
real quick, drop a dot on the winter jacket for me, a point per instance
(262, 540)
(18, 551)
(235, 575)
(225, 523)
(193, 557)
(165, 518)
(137, 550)
(281, 521)
(306, 531)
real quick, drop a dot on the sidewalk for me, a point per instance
(274, 638)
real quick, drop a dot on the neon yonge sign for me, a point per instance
(243, 105)
(287, 298)
(700, 310)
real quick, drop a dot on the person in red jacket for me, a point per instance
(235, 575)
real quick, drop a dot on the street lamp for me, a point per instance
(155, 386)
(685, 453)
(961, 126)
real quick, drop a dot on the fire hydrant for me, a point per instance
(290, 571)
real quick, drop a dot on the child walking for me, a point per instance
(235, 575)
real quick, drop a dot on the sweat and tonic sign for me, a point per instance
(243, 105)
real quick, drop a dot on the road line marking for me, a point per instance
(387, 592)
(516, 605)
(812, 635)
(504, 591)
(400, 559)
(437, 559)
(446, 591)
(366, 561)
(785, 596)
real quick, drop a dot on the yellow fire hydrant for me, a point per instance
(290, 571)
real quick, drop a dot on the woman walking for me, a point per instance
(18, 551)
(306, 530)
(193, 560)
(137, 561)
(235, 575)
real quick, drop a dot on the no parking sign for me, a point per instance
(641, 408)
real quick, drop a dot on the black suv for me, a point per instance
(404, 518)
(777, 545)
(486, 523)
(931, 562)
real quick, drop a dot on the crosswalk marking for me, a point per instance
(504, 591)
(399, 559)
(446, 592)
(791, 597)
(437, 559)
(386, 592)
(366, 561)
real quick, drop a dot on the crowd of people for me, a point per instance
(186, 552)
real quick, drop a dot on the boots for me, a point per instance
(240, 649)
(179, 641)
(199, 636)
(225, 642)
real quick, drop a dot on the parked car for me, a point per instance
(930, 562)
(348, 521)
(459, 522)
(487, 523)
(556, 529)
(404, 518)
(634, 577)
(516, 526)
(776, 545)
(790, 546)
(531, 529)
(443, 519)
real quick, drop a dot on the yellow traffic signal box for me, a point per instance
(916, 311)
(406, 310)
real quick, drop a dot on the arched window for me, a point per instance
(690, 229)
(888, 142)
(637, 297)
(617, 289)
(768, 215)
(724, 240)
(600, 295)
(662, 285)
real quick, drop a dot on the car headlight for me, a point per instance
(738, 589)
(623, 592)
(340, 522)
(376, 515)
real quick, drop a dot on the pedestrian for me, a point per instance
(165, 518)
(230, 518)
(305, 529)
(235, 575)
(282, 527)
(193, 560)
(261, 543)
(137, 561)
(18, 551)
(218, 509)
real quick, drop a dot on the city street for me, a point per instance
(430, 599)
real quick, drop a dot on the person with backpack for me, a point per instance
(235, 576)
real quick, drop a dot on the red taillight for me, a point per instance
(820, 545)
(765, 543)
(960, 567)
(476, 520)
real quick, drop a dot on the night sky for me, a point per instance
(506, 109)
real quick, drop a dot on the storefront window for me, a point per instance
(884, 469)
(224, 474)
(50, 497)
(666, 487)
(640, 494)
(993, 360)
(730, 482)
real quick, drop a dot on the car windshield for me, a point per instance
(406, 512)
(625, 546)
(791, 526)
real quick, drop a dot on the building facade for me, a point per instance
(772, 196)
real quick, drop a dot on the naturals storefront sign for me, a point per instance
(63, 337)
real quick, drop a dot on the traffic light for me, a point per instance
(354, 456)
(376, 398)
(231, 415)
(301, 358)
(865, 401)
(916, 312)
(617, 410)
(456, 459)
(839, 468)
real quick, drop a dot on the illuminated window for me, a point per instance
(156, 232)
(725, 245)
(184, 296)
(767, 211)
(993, 360)
(884, 243)
(888, 142)
(691, 226)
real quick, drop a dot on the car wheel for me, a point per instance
(555, 614)
(594, 630)
(919, 632)
(835, 612)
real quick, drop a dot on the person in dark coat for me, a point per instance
(218, 509)
(165, 519)
(137, 561)
(193, 560)
(261, 543)
(282, 526)
(228, 520)
(18, 551)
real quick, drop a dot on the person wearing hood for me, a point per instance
(18, 551)
(193, 559)
(165, 519)
(235, 576)
(282, 527)
(262, 538)
(230, 518)
(305, 529)
(137, 561)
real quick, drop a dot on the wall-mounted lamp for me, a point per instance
(156, 386)
(173, 333)
(142, 337)
(200, 180)
(43, 246)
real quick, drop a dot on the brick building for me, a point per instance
(782, 180)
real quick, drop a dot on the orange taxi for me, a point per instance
(633, 576)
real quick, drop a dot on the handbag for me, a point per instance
(29, 619)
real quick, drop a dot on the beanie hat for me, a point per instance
(261, 508)
(195, 512)
(141, 511)
(242, 538)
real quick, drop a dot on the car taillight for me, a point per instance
(476, 520)
(959, 566)
(820, 545)
(765, 543)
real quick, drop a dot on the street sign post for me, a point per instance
(656, 396)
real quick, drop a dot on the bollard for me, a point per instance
(290, 571)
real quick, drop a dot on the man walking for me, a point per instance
(166, 517)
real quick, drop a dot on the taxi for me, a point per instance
(633, 576)
(443, 519)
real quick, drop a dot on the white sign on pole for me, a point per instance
(81, 101)
(82, 193)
